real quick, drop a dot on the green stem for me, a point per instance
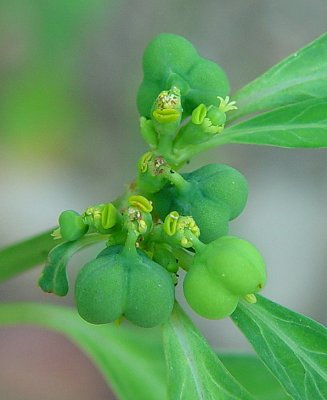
(182, 156)
(131, 239)
(197, 244)
(25, 255)
(165, 144)
(184, 258)
(176, 179)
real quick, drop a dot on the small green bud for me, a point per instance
(72, 226)
(101, 217)
(181, 230)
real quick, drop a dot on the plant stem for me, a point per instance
(25, 254)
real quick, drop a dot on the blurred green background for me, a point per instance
(69, 71)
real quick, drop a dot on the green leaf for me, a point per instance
(292, 346)
(296, 125)
(254, 376)
(25, 254)
(130, 359)
(301, 76)
(194, 370)
(54, 275)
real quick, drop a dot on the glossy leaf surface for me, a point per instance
(299, 77)
(194, 370)
(130, 359)
(291, 345)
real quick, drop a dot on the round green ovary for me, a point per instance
(110, 250)
(71, 225)
(212, 218)
(207, 81)
(235, 263)
(150, 294)
(100, 290)
(220, 182)
(117, 284)
(215, 195)
(170, 60)
(206, 296)
(166, 53)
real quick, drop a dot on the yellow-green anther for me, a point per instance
(143, 163)
(185, 242)
(199, 114)
(182, 230)
(226, 105)
(250, 298)
(170, 223)
(188, 223)
(142, 226)
(140, 202)
(138, 220)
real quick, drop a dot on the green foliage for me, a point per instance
(301, 76)
(194, 370)
(24, 255)
(166, 221)
(292, 346)
(131, 360)
(251, 373)
(295, 125)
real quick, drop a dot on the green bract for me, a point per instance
(212, 195)
(222, 272)
(171, 60)
(120, 283)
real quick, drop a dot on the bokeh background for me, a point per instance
(69, 71)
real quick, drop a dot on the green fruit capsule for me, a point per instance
(206, 296)
(71, 225)
(99, 290)
(213, 195)
(119, 284)
(236, 263)
(171, 60)
(222, 272)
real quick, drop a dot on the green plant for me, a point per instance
(166, 221)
